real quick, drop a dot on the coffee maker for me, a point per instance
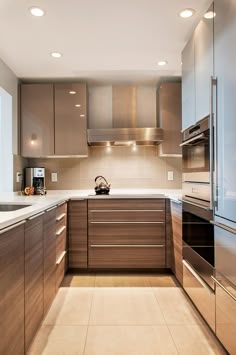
(35, 177)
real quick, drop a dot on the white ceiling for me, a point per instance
(122, 39)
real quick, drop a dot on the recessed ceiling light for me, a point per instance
(77, 105)
(209, 15)
(37, 11)
(161, 63)
(186, 13)
(56, 55)
(72, 92)
(82, 115)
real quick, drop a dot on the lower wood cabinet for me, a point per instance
(12, 290)
(126, 234)
(49, 260)
(78, 234)
(33, 277)
(176, 229)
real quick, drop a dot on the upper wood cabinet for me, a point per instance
(37, 120)
(197, 69)
(53, 120)
(188, 85)
(71, 119)
(169, 96)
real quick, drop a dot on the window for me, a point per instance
(6, 155)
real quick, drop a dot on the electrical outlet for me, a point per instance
(18, 175)
(170, 175)
(53, 177)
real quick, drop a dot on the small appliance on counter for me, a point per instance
(102, 187)
(35, 178)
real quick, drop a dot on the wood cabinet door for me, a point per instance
(188, 85)
(12, 291)
(33, 277)
(176, 223)
(78, 234)
(49, 262)
(203, 43)
(37, 120)
(71, 119)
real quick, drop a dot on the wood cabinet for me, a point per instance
(33, 277)
(197, 69)
(49, 260)
(188, 85)
(71, 119)
(37, 120)
(78, 234)
(12, 290)
(126, 234)
(53, 120)
(169, 96)
(176, 224)
(61, 243)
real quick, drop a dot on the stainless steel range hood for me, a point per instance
(133, 109)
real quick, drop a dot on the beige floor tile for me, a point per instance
(125, 306)
(70, 307)
(59, 340)
(85, 280)
(195, 340)
(176, 307)
(129, 340)
(163, 281)
(119, 280)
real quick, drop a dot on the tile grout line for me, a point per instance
(159, 305)
(86, 337)
(173, 339)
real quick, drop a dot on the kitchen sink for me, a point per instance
(11, 207)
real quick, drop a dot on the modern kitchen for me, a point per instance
(117, 177)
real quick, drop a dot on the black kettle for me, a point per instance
(102, 187)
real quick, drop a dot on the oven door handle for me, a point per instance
(199, 279)
(202, 135)
(223, 226)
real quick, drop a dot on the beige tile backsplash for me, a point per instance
(122, 167)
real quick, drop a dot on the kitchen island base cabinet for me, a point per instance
(12, 290)
(78, 234)
(126, 234)
(33, 277)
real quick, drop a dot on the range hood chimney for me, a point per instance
(133, 111)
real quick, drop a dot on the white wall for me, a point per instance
(9, 82)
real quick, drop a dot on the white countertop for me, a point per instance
(54, 197)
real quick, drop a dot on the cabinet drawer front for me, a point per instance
(226, 314)
(127, 204)
(61, 210)
(60, 243)
(203, 298)
(126, 257)
(127, 215)
(127, 233)
(60, 269)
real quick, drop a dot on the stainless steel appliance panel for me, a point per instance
(226, 313)
(200, 293)
(225, 251)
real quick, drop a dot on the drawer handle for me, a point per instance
(35, 216)
(223, 226)
(127, 222)
(60, 217)
(50, 209)
(61, 257)
(193, 272)
(12, 227)
(223, 288)
(127, 245)
(112, 211)
(60, 231)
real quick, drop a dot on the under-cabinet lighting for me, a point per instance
(77, 105)
(72, 92)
